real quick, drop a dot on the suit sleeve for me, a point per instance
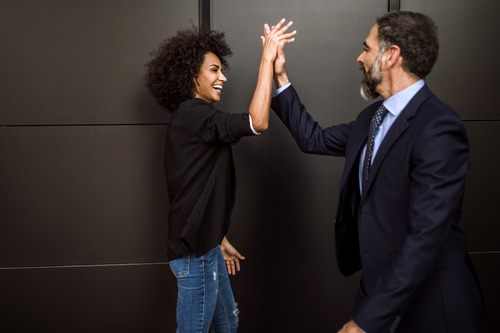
(308, 134)
(211, 125)
(439, 166)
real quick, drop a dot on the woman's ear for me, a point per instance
(196, 85)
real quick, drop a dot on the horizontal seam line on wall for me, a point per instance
(83, 266)
(484, 252)
(83, 125)
(481, 120)
(141, 264)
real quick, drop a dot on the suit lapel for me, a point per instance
(397, 129)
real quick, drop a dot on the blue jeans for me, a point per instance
(204, 295)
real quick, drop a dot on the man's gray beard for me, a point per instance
(371, 80)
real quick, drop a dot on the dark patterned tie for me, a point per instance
(375, 123)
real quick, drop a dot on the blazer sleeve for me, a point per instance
(439, 166)
(308, 134)
(211, 125)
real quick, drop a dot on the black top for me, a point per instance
(200, 175)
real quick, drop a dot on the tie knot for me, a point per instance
(379, 115)
(382, 111)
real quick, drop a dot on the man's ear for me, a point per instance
(393, 53)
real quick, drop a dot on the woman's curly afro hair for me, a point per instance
(175, 63)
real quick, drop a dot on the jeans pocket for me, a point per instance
(180, 267)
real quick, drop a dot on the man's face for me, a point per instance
(369, 63)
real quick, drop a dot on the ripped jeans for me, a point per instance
(204, 296)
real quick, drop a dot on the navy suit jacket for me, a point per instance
(404, 231)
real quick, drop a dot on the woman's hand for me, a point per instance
(279, 72)
(275, 38)
(231, 256)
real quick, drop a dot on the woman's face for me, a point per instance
(209, 81)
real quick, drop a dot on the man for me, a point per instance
(401, 191)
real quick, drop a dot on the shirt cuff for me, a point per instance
(251, 126)
(280, 90)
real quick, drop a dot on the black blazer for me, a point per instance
(404, 231)
(200, 175)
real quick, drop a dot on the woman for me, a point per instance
(185, 75)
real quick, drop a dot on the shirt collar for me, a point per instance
(397, 102)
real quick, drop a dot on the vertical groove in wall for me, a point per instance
(394, 5)
(204, 13)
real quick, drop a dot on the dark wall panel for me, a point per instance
(463, 76)
(83, 207)
(125, 299)
(321, 62)
(482, 196)
(82, 194)
(286, 200)
(74, 62)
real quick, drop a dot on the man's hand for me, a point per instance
(231, 256)
(280, 77)
(350, 327)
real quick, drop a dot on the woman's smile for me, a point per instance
(210, 80)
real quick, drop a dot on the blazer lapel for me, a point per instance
(397, 129)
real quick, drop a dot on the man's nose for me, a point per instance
(360, 60)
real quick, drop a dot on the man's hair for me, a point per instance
(416, 36)
(178, 60)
